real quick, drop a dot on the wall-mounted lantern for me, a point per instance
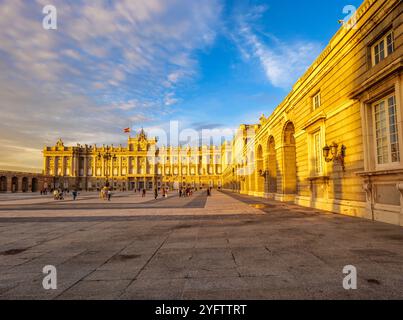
(331, 153)
(264, 173)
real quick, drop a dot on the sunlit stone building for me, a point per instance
(140, 164)
(335, 142)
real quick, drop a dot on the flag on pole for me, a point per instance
(126, 130)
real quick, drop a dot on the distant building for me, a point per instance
(140, 164)
(14, 181)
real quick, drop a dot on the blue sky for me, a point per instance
(113, 64)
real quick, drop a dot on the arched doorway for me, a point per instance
(260, 176)
(289, 160)
(24, 186)
(3, 184)
(271, 165)
(34, 185)
(14, 184)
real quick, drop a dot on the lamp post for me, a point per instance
(107, 156)
(264, 173)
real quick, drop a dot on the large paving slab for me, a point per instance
(226, 246)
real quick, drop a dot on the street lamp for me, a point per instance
(335, 155)
(107, 156)
(264, 173)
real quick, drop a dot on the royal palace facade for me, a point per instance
(139, 165)
(335, 142)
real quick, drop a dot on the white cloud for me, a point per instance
(170, 99)
(72, 54)
(174, 77)
(282, 61)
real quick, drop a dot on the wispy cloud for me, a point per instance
(282, 61)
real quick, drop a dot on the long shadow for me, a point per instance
(171, 203)
(199, 218)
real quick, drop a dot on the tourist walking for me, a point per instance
(144, 193)
(155, 194)
(74, 193)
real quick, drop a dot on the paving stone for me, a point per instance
(221, 248)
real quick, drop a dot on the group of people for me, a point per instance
(106, 193)
(58, 194)
(164, 192)
(186, 192)
(44, 191)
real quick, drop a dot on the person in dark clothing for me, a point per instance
(74, 193)
(155, 193)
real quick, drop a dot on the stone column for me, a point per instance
(55, 162)
(45, 165)
(19, 187)
(94, 164)
(85, 166)
(9, 183)
(120, 169)
(63, 165)
(73, 166)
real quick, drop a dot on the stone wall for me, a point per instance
(348, 84)
(15, 181)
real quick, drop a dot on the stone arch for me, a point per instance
(289, 160)
(271, 165)
(288, 133)
(35, 185)
(3, 184)
(24, 184)
(14, 184)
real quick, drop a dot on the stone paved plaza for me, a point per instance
(223, 247)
